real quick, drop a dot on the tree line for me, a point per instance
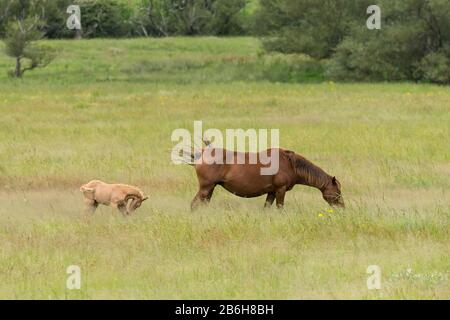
(116, 18)
(413, 42)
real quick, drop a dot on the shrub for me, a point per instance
(311, 27)
(105, 18)
(99, 18)
(435, 67)
(381, 55)
(409, 46)
(225, 18)
(189, 17)
(55, 19)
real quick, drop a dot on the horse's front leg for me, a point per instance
(269, 200)
(279, 195)
(203, 196)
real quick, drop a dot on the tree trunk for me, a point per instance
(78, 34)
(18, 70)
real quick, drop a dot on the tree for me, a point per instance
(5, 6)
(152, 17)
(413, 44)
(105, 18)
(225, 18)
(189, 17)
(20, 44)
(307, 26)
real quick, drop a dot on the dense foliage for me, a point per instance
(412, 44)
(307, 26)
(114, 18)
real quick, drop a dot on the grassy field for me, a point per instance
(106, 109)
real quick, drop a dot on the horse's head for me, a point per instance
(332, 193)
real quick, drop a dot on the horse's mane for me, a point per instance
(309, 172)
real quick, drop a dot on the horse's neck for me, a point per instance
(312, 176)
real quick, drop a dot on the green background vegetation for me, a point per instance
(412, 45)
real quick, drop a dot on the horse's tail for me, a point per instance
(207, 142)
(189, 157)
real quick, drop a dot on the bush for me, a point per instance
(311, 27)
(190, 17)
(225, 18)
(118, 18)
(4, 12)
(435, 67)
(105, 18)
(409, 46)
(99, 18)
(55, 19)
(388, 54)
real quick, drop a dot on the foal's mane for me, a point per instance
(312, 174)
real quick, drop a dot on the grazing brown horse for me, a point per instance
(245, 180)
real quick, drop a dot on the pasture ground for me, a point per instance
(106, 109)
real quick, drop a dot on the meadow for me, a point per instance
(106, 109)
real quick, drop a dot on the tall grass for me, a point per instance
(106, 109)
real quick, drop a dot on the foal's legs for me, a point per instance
(269, 200)
(279, 195)
(90, 206)
(203, 195)
(122, 207)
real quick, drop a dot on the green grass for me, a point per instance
(106, 108)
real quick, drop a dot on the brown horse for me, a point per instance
(245, 180)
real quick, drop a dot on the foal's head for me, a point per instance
(133, 202)
(332, 193)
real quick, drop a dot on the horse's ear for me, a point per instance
(334, 180)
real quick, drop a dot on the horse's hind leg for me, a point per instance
(203, 196)
(269, 200)
(279, 195)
